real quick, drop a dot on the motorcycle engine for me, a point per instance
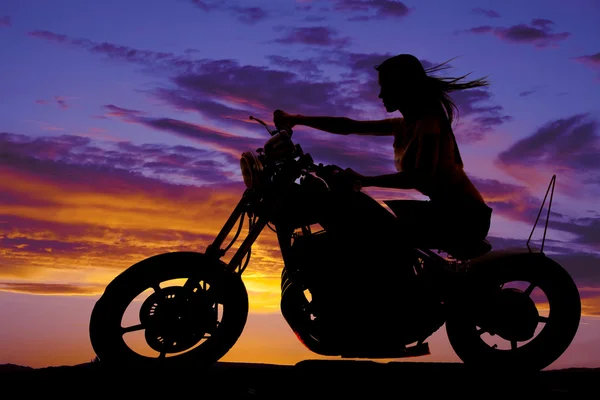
(309, 253)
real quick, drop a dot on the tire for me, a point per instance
(551, 342)
(105, 330)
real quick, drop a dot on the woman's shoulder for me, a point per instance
(430, 125)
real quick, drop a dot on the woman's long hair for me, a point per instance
(440, 87)
(429, 87)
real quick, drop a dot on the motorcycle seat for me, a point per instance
(467, 250)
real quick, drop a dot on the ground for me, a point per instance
(310, 378)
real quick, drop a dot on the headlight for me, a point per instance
(252, 169)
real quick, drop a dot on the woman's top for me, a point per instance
(449, 183)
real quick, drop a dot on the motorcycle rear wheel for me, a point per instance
(197, 306)
(560, 327)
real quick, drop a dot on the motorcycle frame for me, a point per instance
(244, 206)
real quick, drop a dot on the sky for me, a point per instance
(122, 124)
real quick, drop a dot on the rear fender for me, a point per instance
(494, 258)
(481, 277)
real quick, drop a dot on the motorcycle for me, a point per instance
(348, 288)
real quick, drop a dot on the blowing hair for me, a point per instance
(440, 87)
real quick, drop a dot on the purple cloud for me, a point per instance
(526, 93)
(58, 100)
(567, 144)
(304, 7)
(246, 15)
(539, 33)
(472, 103)
(201, 4)
(516, 202)
(591, 60)
(251, 15)
(312, 36)
(226, 91)
(307, 68)
(202, 82)
(376, 9)
(584, 267)
(568, 147)
(5, 21)
(324, 149)
(56, 155)
(125, 114)
(117, 52)
(486, 12)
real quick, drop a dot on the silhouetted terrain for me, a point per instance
(311, 378)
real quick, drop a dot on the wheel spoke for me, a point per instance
(162, 355)
(513, 345)
(481, 331)
(156, 287)
(530, 289)
(543, 319)
(132, 328)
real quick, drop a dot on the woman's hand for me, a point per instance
(353, 175)
(355, 180)
(281, 119)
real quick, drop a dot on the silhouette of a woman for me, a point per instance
(426, 154)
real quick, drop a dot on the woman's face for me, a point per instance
(393, 94)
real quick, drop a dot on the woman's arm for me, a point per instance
(399, 180)
(347, 126)
(341, 125)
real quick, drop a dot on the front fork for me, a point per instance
(215, 251)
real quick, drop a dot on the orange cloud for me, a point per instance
(86, 232)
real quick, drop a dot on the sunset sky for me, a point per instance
(122, 123)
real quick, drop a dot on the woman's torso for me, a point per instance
(449, 183)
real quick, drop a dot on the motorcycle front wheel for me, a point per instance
(186, 312)
(524, 338)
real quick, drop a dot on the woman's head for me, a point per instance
(407, 86)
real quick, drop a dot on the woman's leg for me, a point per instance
(418, 221)
(464, 223)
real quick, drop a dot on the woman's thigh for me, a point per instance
(418, 220)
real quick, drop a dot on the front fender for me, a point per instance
(187, 262)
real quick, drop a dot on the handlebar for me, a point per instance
(331, 173)
(273, 132)
(336, 177)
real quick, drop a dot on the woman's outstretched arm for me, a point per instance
(340, 125)
(347, 126)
